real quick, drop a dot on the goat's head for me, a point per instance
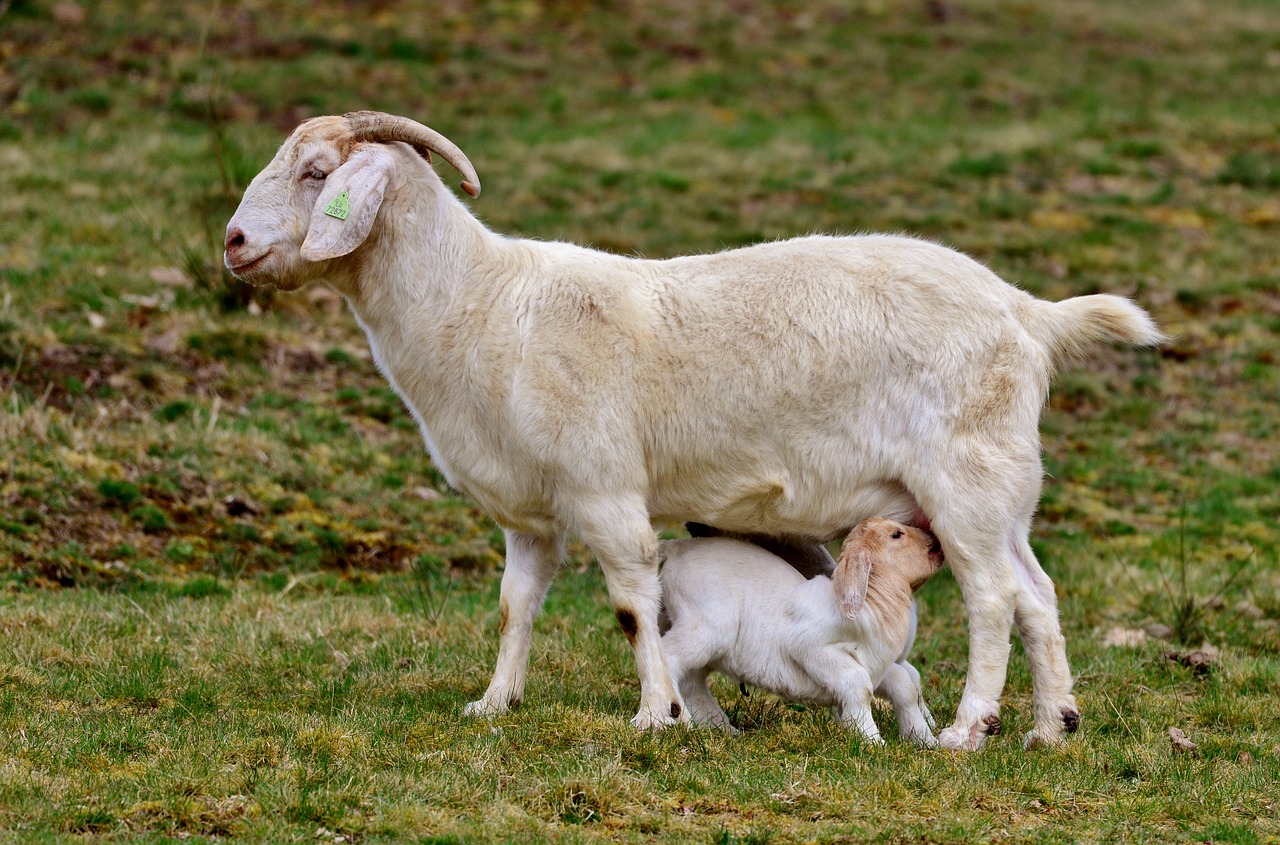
(913, 554)
(320, 195)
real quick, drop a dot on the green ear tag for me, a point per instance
(338, 207)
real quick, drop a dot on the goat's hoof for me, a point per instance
(921, 740)
(992, 725)
(651, 720)
(1035, 740)
(485, 709)
(960, 738)
(1055, 734)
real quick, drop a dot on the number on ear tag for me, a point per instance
(339, 207)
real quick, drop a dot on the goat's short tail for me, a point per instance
(1068, 329)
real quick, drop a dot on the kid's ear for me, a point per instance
(343, 215)
(851, 576)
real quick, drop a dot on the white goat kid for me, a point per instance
(739, 610)
(792, 389)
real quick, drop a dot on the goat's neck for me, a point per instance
(432, 289)
(417, 265)
(887, 609)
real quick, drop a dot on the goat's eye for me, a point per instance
(315, 174)
(897, 535)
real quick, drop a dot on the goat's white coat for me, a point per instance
(739, 610)
(790, 388)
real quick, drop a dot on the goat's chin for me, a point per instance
(289, 284)
(267, 277)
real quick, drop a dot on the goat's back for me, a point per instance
(790, 388)
(814, 370)
(722, 578)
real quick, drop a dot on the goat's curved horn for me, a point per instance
(379, 126)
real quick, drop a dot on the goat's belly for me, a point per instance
(779, 676)
(783, 506)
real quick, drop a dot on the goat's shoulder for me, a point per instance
(813, 603)
(593, 294)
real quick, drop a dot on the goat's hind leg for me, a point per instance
(703, 707)
(985, 575)
(688, 657)
(985, 491)
(1036, 616)
(531, 565)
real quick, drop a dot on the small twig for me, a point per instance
(213, 413)
(1234, 574)
(135, 604)
(1182, 548)
(295, 580)
(1124, 565)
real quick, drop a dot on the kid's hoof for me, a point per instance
(958, 738)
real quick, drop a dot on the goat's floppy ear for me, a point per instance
(343, 215)
(851, 575)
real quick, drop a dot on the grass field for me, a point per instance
(237, 601)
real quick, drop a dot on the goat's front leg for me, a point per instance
(532, 562)
(836, 670)
(623, 541)
(901, 688)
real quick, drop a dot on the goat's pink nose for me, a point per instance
(235, 238)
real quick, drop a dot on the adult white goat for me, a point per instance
(790, 389)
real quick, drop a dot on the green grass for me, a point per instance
(238, 601)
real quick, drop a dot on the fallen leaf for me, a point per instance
(96, 320)
(1180, 742)
(1124, 638)
(68, 14)
(428, 494)
(1210, 651)
(159, 302)
(1264, 215)
(1199, 661)
(1249, 610)
(1159, 631)
(167, 343)
(169, 277)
